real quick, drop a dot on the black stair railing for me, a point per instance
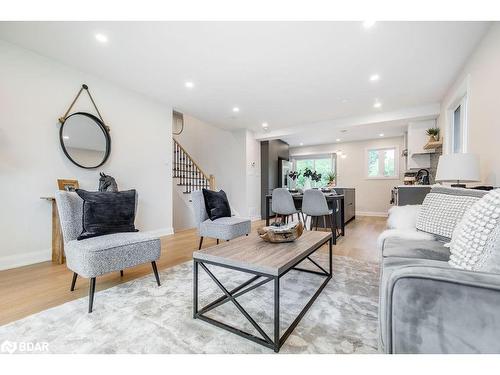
(188, 173)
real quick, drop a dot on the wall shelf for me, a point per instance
(434, 145)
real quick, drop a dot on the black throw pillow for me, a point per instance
(107, 212)
(216, 204)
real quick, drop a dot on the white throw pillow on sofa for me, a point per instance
(475, 244)
(443, 208)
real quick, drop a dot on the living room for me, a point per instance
(249, 187)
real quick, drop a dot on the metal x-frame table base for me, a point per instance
(232, 295)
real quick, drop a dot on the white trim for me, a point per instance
(161, 232)
(372, 213)
(396, 163)
(20, 260)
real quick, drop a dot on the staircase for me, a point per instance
(190, 176)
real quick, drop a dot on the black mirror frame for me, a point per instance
(104, 130)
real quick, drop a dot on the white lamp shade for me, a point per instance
(458, 167)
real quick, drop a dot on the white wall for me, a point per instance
(227, 155)
(34, 92)
(253, 176)
(481, 76)
(372, 196)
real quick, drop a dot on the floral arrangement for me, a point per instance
(294, 175)
(315, 176)
(308, 172)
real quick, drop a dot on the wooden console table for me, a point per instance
(57, 238)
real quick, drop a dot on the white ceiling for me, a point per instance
(288, 74)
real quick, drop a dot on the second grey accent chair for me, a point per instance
(97, 256)
(224, 228)
(282, 204)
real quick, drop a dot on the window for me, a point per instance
(459, 126)
(323, 164)
(382, 162)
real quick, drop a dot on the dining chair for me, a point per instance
(315, 206)
(283, 205)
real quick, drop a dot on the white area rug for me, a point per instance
(139, 317)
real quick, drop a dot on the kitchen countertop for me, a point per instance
(414, 186)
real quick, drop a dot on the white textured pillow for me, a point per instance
(475, 244)
(443, 208)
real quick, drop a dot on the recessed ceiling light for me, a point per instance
(368, 24)
(377, 104)
(65, 136)
(374, 77)
(101, 38)
(343, 156)
(301, 143)
(189, 84)
(236, 109)
(337, 140)
(265, 125)
(381, 135)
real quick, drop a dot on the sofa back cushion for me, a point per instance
(475, 244)
(443, 208)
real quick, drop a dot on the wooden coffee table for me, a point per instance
(266, 262)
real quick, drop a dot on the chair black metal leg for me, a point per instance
(201, 242)
(73, 282)
(333, 227)
(217, 241)
(155, 270)
(121, 273)
(91, 293)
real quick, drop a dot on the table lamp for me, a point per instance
(459, 168)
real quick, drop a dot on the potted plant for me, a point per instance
(293, 175)
(433, 134)
(316, 177)
(331, 179)
(307, 175)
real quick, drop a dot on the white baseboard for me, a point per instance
(19, 260)
(371, 213)
(161, 232)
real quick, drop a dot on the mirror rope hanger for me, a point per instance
(86, 88)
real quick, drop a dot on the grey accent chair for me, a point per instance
(314, 205)
(97, 256)
(224, 228)
(427, 306)
(282, 204)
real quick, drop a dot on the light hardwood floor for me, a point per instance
(27, 290)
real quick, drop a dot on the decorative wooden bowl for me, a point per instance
(285, 233)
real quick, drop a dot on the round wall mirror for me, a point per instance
(85, 140)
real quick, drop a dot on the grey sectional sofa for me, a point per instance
(426, 306)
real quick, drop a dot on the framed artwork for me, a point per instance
(68, 185)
